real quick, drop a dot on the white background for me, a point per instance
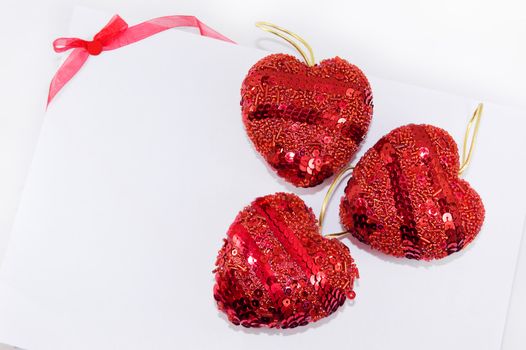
(472, 48)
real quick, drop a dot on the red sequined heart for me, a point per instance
(306, 121)
(405, 197)
(276, 270)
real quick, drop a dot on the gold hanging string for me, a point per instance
(473, 124)
(337, 234)
(327, 198)
(287, 35)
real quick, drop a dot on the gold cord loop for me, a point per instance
(473, 124)
(327, 198)
(286, 35)
(337, 234)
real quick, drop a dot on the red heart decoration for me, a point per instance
(307, 122)
(276, 270)
(405, 197)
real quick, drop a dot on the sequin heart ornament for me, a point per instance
(405, 197)
(276, 270)
(307, 120)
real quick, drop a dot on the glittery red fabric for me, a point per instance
(276, 270)
(307, 122)
(405, 197)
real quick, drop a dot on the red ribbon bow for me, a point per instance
(114, 35)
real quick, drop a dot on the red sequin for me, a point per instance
(283, 274)
(405, 197)
(290, 108)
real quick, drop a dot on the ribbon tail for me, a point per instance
(67, 70)
(205, 30)
(146, 29)
(190, 21)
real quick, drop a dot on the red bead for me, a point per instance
(327, 107)
(296, 283)
(413, 205)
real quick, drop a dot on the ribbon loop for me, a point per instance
(114, 35)
(115, 27)
(65, 44)
(109, 33)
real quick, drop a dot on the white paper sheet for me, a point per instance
(143, 163)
